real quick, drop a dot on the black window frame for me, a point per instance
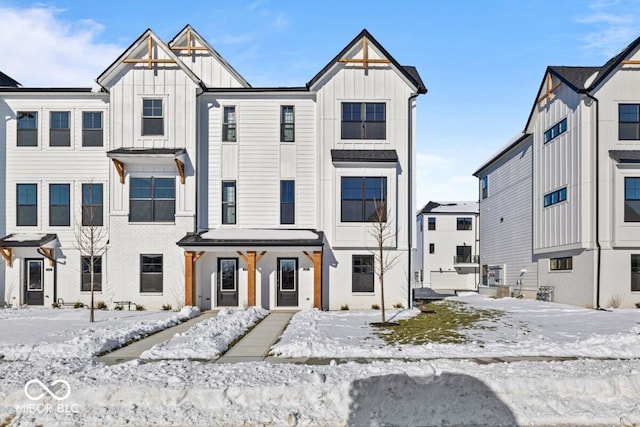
(148, 277)
(92, 134)
(59, 208)
(555, 197)
(368, 205)
(432, 248)
(362, 274)
(631, 203)
(287, 123)
(555, 131)
(92, 210)
(152, 122)
(27, 129)
(287, 202)
(229, 207)
(484, 186)
(431, 223)
(363, 122)
(229, 127)
(464, 254)
(32, 208)
(153, 202)
(85, 274)
(635, 272)
(561, 263)
(59, 134)
(464, 223)
(627, 124)
(282, 277)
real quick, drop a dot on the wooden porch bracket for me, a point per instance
(190, 259)
(180, 166)
(120, 169)
(6, 254)
(48, 253)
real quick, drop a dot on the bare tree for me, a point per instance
(383, 232)
(91, 236)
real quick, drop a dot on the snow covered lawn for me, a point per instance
(526, 328)
(37, 333)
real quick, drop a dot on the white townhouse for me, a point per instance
(585, 186)
(212, 192)
(446, 258)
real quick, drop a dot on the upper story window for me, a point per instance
(565, 263)
(463, 223)
(632, 199)
(363, 120)
(59, 205)
(362, 197)
(287, 202)
(27, 205)
(92, 210)
(229, 124)
(629, 121)
(431, 223)
(484, 185)
(92, 129)
(152, 117)
(555, 130)
(287, 124)
(555, 197)
(228, 202)
(152, 200)
(59, 133)
(27, 128)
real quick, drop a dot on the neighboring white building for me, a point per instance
(212, 192)
(585, 126)
(447, 255)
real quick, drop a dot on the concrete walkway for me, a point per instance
(256, 344)
(135, 349)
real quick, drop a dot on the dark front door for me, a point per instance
(287, 282)
(228, 282)
(33, 282)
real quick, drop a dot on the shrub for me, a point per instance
(615, 301)
(375, 306)
(101, 305)
(78, 304)
(55, 304)
(344, 307)
(119, 307)
(398, 305)
(140, 307)
(166, 307)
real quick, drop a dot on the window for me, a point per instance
(152, 118)
(287, 202)
(555, 197)
(565, 263)
(152, 200)
(150, 273)
(463, 223)
(287, 274)
(484, 184)
(632, 199)
(555, 130)
(628, 121)
(27, 129)
(635, 273)
(463, 254)
(27, 205)
(228, 202)
(92, 129)
(86, 273)
(362, 197)
(287, 124)
(59, 209)
(229, 124)
(92, 204)
(363, 120)
(227, 277)
(431, 223)
(432, 248)
(59, 133)
(420, 221)
(362, 275)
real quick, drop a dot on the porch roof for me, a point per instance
(253, 237)
(28, 240)
(625, 156)
(374, 156)
(154, 156)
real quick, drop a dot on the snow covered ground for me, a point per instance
(422, 392)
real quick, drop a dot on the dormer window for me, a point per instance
(152, 117)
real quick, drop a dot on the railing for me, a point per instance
(466, 259)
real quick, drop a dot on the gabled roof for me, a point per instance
(212, 51)
(513, 142)
(409, 72)
(6, 81)
(574, 77)
(467, 206)
(118, 64)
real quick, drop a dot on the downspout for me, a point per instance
(597, 184)
(410, 211)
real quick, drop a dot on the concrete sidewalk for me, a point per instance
(135, 349)
(256, 344)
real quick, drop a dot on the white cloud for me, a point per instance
(613, 24)
(40, 48)
(443, 179)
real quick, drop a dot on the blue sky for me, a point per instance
(482, 61)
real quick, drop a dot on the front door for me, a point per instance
(228, 282)
(287, 282)
(34, 283)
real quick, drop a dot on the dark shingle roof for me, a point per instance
(574, 76)
(376, 156)
(625, 156)
(24, 240)
(6, 81)
(197, 239)
(146, 151)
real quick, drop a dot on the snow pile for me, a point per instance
(209, 338)
(48, 333)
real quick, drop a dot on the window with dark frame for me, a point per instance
(362, 279)
(59, 132)
(463, 254)
(59, 205)
(635, 273)
(363, 120)
(228, 202)
(484, 184)
(152, 199)
(151, 272)
(152, 117)
(92, 129)
(564, 263)
(287, 124)
(27, 128)
(463, 223)
(555, 130)
(27, 205)
(229, 124)
(555, 197)
(287, 202)
(431, 223)
(86, 274)
(92, 207)
(287, 274)
(632, 199)
(432, 248)
(362, 197)
(628, 121)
